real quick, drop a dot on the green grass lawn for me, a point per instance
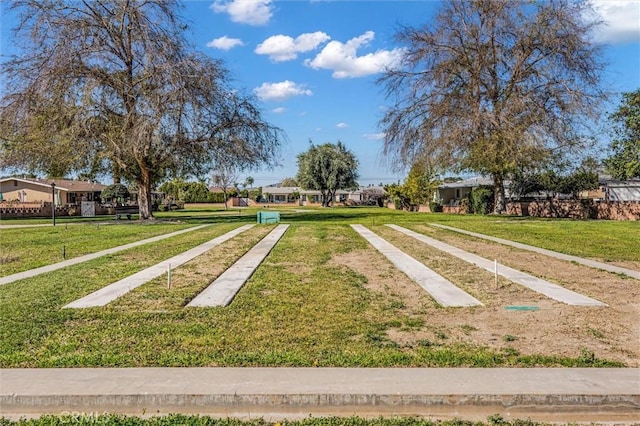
(28, 248)
(598, 239)
(300, 308)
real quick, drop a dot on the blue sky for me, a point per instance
(313, 63)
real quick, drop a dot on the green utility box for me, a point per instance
(268, 217)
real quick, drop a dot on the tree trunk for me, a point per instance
(224, 196)
(325, 199)
(144, 195)
(499, 206)
(116, 172)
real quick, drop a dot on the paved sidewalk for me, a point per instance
(551, 290)
(38, 225)
(587, 262)
(80, 259)
(553, 394)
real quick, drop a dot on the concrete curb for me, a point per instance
(562, 394)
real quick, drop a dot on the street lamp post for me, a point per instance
(53, 202)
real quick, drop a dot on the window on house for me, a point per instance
(457, 192)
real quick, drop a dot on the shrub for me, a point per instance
(435, 207)
(481, 200)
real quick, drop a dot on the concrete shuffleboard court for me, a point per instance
(587, 262)
(441, 289)
(222, 290)
(120, 288)
(80, 259)
(551, 290)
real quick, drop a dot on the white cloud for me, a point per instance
(281, 91)
(284, 48)
(278, 110)
(252, 12)
(373, 136)
(622, 20)
(342, 125)
(343, 60)
(225, 43)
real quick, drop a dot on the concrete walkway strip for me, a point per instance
(570, 258)
(441, 289)
(553, 291)
(113, 291)
(222, 291)
(80, 259)
(560, 395)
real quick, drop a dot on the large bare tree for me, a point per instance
(491, 86)
(115, 81)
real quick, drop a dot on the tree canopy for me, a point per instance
(327, 168)
(115, 84)
(624, 162)
(492, 86)
(188, 192)
(288, 181)
(115, 191)
(554, 182)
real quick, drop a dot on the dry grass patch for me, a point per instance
(556, 328)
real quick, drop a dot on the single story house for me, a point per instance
(23, 190)
(287, 194)
(616, 190)
(610, 190)
(451, 193)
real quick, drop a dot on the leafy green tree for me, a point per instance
(397, 194)
(624, 162)
(288, 182)
(116, 83)
(256, 194)
(327, 168)
(421, 183)
(553, 182)
(491, 86)
(188, 192)
(117, 191)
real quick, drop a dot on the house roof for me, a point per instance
(63, 184)
(469, 183)
(632, 183)
(280, 190)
